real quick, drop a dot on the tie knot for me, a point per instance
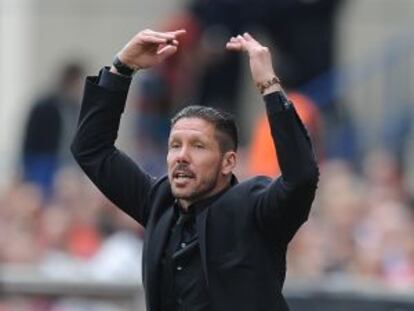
(184, 218)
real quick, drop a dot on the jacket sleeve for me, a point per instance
(285, 204)
(114, 173)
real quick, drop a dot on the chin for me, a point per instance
(179, 194)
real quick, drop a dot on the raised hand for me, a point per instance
(260, 59)
(148, 48)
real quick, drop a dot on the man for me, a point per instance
(211, 243)
(50, 126)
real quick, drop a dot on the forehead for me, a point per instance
(192, 126)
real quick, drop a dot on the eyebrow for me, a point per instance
(193, 137)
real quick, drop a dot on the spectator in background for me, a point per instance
(49, 129)
(153, 104)
(361, 228)
(302, 29)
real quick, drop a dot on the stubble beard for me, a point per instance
(201, 193)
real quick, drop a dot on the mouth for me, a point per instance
(179, 175)
(183, 176)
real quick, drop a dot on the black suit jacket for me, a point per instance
(243, 235)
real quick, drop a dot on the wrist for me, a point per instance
(271, 89)
(121, 67)
(269, 85)
(114, 70)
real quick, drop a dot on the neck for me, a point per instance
(185, 204)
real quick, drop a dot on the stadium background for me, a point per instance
(350, 65)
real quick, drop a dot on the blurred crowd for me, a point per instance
(360, 229)
(75, 234)
(54, 220)
(361, 226)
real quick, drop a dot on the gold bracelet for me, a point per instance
(264, 85)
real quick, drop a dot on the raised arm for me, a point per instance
(114, 173)
(285, 204)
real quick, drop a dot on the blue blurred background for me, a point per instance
(347, 65)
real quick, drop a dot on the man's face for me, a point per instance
(194, 159)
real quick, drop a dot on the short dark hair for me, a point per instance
(70, 73)
(224, 123)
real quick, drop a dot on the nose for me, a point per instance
(183, 155)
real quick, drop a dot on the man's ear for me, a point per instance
(228, 162)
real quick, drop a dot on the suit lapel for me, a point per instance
(201, 222)
(156, 245)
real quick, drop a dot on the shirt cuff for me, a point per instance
(276, 102)
(113, 82)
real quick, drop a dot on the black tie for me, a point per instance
(177, 232)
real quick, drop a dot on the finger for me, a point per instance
(244, 43)
(237, 43)
(162, 35)
(153, 39)
(234, 46)
(237, 39)
(177, 33)
(240, 39)
(166, 52)
(172, 42)
(248, 37)
(167, 34)
(167, 43)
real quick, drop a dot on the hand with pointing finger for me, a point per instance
(260, 60)
(149, 48)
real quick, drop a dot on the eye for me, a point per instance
(199, 146)
(174, 145)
